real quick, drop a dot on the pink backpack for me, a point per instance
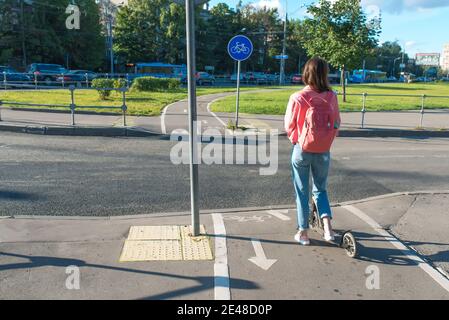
(320, 125)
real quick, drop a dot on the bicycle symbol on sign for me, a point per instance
(240, 48)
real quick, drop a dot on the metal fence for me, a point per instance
(37, 81)
(421, 98)
(56, 81)
(73, 106)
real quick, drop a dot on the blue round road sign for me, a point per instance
(240, 48)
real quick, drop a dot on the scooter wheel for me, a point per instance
(349, 244)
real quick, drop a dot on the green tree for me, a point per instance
(84, 48)
(387, 57)
(214, 35)
(295, 49)
(340, 33)
(150, 30)
(35, 31)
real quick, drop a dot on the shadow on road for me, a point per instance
(16, 195)
(203, 283)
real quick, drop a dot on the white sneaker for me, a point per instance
(329, 236)
(301, 241)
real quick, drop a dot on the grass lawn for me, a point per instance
(139, 103)
(276, 102)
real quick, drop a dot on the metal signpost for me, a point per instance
(240, 48)
(191, 69)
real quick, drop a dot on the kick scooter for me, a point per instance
(347, 241)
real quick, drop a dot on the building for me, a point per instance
(445, 58)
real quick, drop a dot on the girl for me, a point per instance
(311, 122)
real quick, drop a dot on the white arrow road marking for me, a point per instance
(279, 214)
(260, 259)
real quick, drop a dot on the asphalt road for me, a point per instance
(79, 176)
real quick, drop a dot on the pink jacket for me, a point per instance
(297, 108)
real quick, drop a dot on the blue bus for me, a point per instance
(159, 70)
(368, 76)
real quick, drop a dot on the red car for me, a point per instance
(297, 79)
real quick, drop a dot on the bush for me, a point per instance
(100, 84)
(120, 83)
(155, 84)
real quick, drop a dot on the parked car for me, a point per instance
(256, 77)
(90, 74)
(45, 72)
(12, 76)
(272, 78)
(76, 77)
(234, 77)
(204, 78)
(392, 79)
(423, 79)
(296, 79)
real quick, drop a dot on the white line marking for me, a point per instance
(437, 276)
(163, 128)
(221, 268)
(260, 259)
(279, 214)
(212, 113)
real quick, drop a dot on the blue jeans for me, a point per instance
(302, 163)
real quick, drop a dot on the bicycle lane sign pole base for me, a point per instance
(240, 49)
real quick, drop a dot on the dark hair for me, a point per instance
(316, 73)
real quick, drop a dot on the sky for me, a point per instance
(421, 26)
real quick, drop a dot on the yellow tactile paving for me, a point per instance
(165, 243)
(198, 248)
(154, 233)
(151, 250)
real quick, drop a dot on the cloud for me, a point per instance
(398, 6)
(270, 4)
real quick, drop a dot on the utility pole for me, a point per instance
(108, 18)
(403, 57)
(191, 83)
(111, 43)
(284, 49)
(24, 53)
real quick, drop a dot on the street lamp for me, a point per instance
(394, 65)
(284, 48)
(108, 17)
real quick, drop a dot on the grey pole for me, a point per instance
(284, 44)
(72, 104)
(191, 68)
(423, 98)
(363, 109)
(111, 45)
(124, 107)
(237, 101)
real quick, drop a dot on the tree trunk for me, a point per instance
(343, 82)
